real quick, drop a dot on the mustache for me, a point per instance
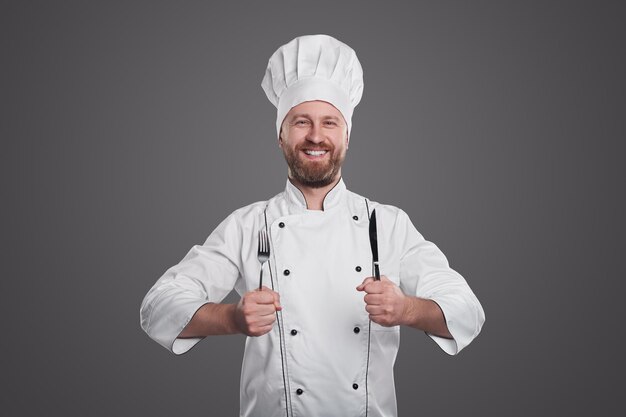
(314, 148)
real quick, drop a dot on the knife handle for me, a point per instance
(376, 271)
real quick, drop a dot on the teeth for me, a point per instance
(315, 153)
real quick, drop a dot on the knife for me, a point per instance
(374, 245)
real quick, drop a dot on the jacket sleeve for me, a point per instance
(205, 275)
(425, 273)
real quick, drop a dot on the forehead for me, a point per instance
(314, 109)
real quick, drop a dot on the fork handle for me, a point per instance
(261, 279)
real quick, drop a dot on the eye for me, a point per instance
(331, 123)
(301, 122)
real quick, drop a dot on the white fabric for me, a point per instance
(321, 250)
(314, 67)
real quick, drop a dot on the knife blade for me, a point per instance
(374, 244)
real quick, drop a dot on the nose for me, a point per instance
(314, 134)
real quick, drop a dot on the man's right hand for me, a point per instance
(255, 313)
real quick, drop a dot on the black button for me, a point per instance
(299, 391)
(356, 330)
(355, 386)
(355, 217)
(294, 332)
(286, 272)
(281, 225)
(358, 269)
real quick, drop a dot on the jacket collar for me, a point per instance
(333, 198)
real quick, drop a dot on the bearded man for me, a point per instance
(323, 333)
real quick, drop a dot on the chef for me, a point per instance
(323, 333)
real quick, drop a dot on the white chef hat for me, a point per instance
(314, 67)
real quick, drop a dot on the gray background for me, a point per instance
(131, 129)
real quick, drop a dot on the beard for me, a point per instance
(314, 174)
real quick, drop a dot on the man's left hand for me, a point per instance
(384, 301)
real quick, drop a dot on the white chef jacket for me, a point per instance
(323, 357)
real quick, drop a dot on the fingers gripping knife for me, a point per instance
(374, 245)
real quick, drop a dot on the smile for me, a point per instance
(315, 153)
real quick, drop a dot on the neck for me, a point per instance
(315, 196)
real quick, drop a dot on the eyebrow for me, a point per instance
(308, 116)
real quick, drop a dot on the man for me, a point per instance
(323, 334)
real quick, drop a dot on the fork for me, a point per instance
(263, 253)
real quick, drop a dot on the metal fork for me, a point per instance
(263, 253)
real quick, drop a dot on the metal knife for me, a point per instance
(374, 244)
